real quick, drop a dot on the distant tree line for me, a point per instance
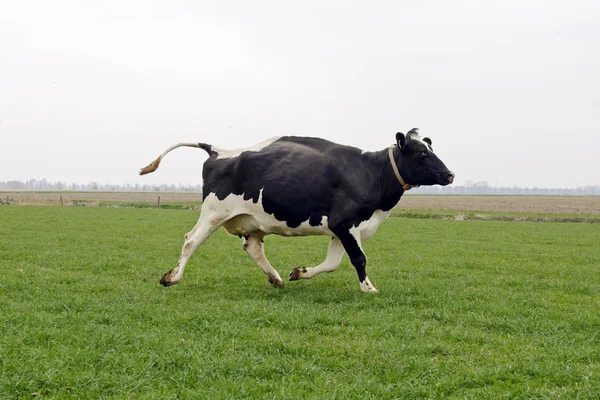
(45, 185)
(482, 188)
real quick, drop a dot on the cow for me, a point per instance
(298, 186)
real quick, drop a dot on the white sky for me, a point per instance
(509, 91)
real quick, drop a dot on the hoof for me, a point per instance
(370, 290)
(367, 287)
(297, 273)
(165, 280)
(277, 283)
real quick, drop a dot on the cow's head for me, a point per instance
(417, 162)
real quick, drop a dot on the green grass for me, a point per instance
(467, 309)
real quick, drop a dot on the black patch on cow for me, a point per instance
(357, 256)
(305, 179)
(314, 220)
(206, 147)
(254, 196)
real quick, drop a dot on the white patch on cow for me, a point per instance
(367, 228)
(243, 217)
(229, 153)
(367, 286)
(418, 139)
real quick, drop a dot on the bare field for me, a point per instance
(93, 198)
(531, 204)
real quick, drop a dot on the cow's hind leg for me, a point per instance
(254, 246)
(335, 252)
(208, 223)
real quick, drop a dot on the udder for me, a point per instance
(241, 225)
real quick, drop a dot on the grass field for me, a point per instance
(467, 309)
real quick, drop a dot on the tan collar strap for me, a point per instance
(405, 185)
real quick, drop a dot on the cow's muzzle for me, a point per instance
(447, 178)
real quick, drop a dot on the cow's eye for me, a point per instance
(423, 153)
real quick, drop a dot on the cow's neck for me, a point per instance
(389, 189)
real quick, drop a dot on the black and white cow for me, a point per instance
(295, 186)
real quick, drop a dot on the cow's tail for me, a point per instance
(153, 166)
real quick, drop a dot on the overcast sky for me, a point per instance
(509, 91)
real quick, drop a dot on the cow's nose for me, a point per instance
(450, 176)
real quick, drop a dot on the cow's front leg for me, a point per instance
(253, 245)
(351, 241)
(335, 252)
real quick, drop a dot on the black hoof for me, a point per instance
(295, 274)
(276, 284)
(164, 279)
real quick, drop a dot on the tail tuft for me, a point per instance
(154, 164)
(151, 167)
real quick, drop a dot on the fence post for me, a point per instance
(61, 202)
(158, 204)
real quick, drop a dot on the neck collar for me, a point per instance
(405, 186)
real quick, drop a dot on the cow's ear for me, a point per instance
(428, 141)
(400, 140)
